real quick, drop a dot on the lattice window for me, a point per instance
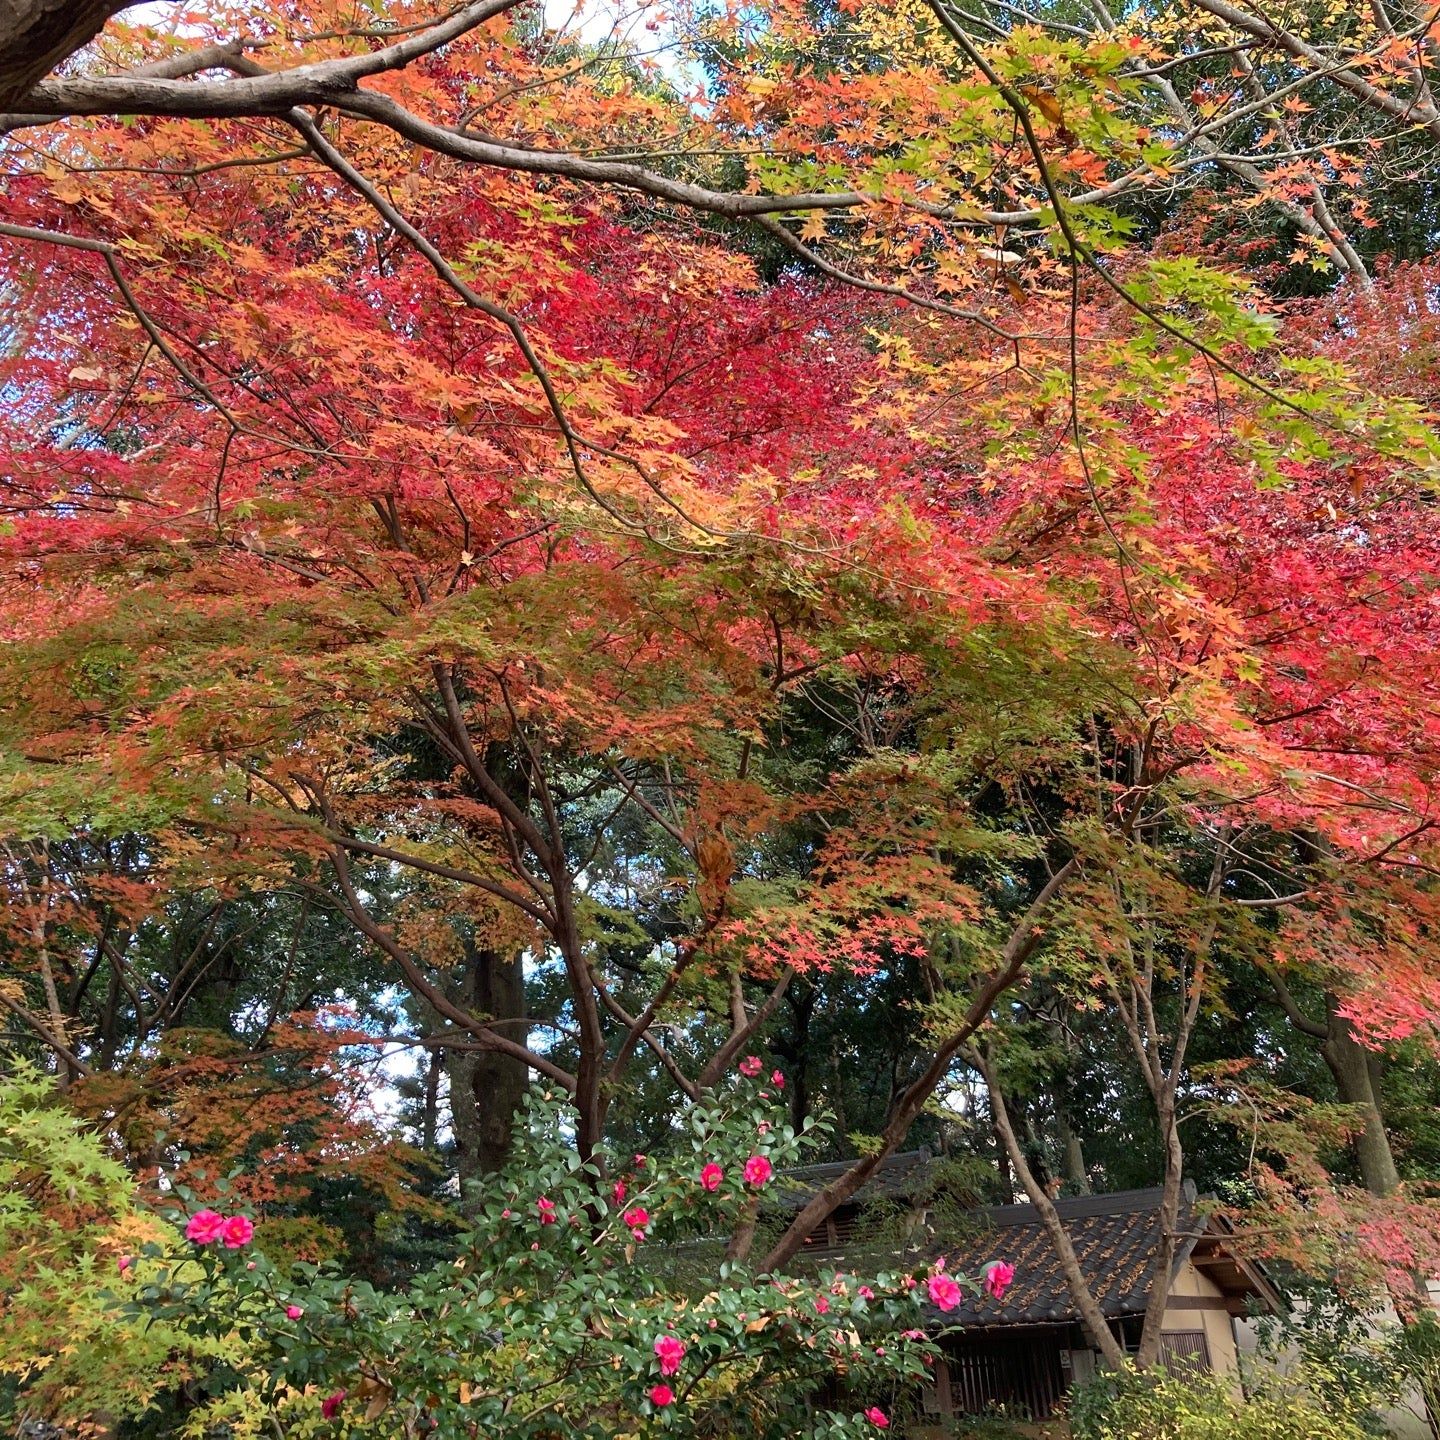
(1021, 1376)
(1184, 1352)
(834, 1233)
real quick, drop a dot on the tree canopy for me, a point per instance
(891, 539)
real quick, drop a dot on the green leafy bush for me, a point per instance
(70, 1349)
(1134, 1405)
(1355, 1354)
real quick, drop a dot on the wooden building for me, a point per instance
(1021, 1354)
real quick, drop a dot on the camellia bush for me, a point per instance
(586, 1299)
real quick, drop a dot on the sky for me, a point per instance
(591, 19)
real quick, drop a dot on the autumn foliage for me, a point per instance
(530, 557)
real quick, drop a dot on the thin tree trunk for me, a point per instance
(1166, 1241)
(1025, 937)
(430, 1115)
(1002, 1162)
(1134, 997)
(39, 930)
(1091, 1315)
(801, 1000)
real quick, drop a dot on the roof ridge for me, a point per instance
(840, 1166)
(1079, 1207)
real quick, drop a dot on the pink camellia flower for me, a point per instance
(750, 1066)
(293, 1312)
(866, 1293)
(763, 1128)
(332, 1403)
(909, 1282)
(998, 1277)
(711, 1176)
(777, 1079)
(758, 1170)
(912, 1334)
(237, 1231)
(620, 1192)
(546, 1207)
(205, 1227)
(504, 1214)
(638, 1218)
(661, 1396)
(124, 1263)
(639, 1162)
(822, 1305)
(944, 1292)
(878, 1418)
(670, 1352)
(940, 1266)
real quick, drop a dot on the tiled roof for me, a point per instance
(1114, 1238)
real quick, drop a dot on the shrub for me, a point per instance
(69, 1347)
(561, 1312)
(1355, 1354)
(1134, 1405)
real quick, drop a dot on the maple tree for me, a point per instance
(575, 552)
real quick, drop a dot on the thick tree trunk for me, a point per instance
(1038, 1154)
(1356, 1071)
(743, 1240)
(430, 1115)
(1353, 1067)
(486, 1087)
(1072, 1155)
(36, 35)
(796, 1050)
